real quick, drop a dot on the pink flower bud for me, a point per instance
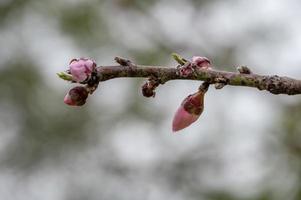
(186, 69)
(201, 62)
(76, 96)
(189, 111)
(198, 62)
(81, 69)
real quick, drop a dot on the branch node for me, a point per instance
(204, 86)
(219, 86)
(149, 87)
(185, 70)
(93, 82)
(220, 82)
(244, 70)
(124, 62)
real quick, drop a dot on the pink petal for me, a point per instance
(81, 69)
(183, 119)
(76, 96)
(78, 71)
(68, 100)
(78, 74)
(186, 70)
(201, 62)
(89, 64)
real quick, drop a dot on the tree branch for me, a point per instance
(274, 84)
(85, 72)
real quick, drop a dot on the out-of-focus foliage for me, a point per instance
(45, 130)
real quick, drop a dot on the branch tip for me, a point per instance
(64, 76)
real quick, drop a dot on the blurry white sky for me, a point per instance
(237, 117)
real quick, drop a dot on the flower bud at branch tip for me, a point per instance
(81, 69)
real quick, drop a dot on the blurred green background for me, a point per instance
(246, 145)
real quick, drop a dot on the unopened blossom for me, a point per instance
(186, 69)
(197, 62)
(201, 62)
(81, 69)
(189, 111)
(76, 96)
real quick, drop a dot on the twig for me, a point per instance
(274, 84)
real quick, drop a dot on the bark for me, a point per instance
(244, 77)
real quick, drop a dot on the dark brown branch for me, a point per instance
(274, 84)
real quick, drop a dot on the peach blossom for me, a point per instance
(201, 62)
(189, 111)
(81, 69)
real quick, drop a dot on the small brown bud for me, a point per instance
(148, 91)
(244, 70)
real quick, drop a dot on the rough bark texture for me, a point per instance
(274, 84)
